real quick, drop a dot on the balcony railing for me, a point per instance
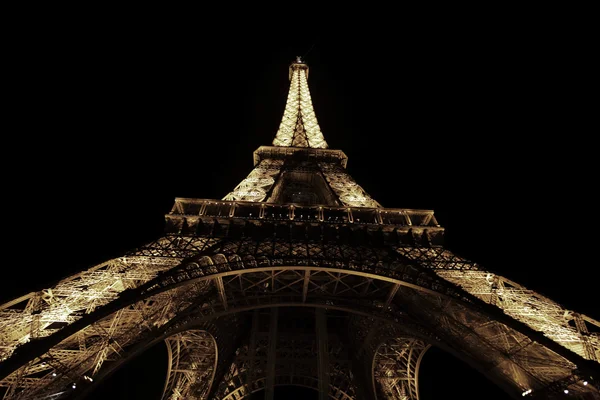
(299, 213)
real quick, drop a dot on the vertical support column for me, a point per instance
(494, 289)
(229, 333)
(271, 355)
(357, 337)
(323, 354)
(589, 351)
(221, 290)
(305, 286)
(33, 307)
(391, 294)
(252, 351)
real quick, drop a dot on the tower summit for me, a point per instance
(296, 277)
(299, 126)
(299, 168)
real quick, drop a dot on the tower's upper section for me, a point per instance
(299, 126)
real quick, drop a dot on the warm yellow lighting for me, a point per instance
(257, 183)
(299, 126)
(348, 191)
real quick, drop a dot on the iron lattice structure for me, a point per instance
(296, 277)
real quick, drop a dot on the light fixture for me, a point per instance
(54, 374)
(585, 383)
(566, 391)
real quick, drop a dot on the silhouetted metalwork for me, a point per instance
(296, 277)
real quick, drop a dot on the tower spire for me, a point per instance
(299, 126)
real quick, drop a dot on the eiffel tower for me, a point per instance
(296, 277)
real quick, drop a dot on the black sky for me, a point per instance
(486, 121)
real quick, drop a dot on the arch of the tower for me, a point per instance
(192, 363)
(193, 366)
(211, 288)
(395, 372)
(198, 356)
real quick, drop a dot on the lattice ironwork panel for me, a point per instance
(346, 188)
(192, 364)
(295, 364)
(395, 368)
(258, 182)
(235, 281)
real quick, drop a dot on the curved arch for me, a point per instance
(395, 368)
(203, 268)
(222, 331)
(207, 324)
(294, 290)
(192, 363)
(398, 327)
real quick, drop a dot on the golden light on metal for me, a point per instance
(299, 126)
(383, 269)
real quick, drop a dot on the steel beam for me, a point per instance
(271, 355)
(323, 354)
(252, 350)
(221, 290)
(305, 285)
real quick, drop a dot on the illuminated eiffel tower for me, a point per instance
(296, 277)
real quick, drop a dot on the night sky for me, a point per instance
(484, 122)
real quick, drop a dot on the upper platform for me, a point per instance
(224, 218)
(300, 153)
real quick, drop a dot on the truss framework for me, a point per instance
(257, 184)
(396, 366)
(191, 366)
(296, 363)
(233, 281)
(383, 273)
(299, 126)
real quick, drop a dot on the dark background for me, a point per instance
(483, 116)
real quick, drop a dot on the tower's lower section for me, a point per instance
(347, 311)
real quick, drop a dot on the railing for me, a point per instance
(300, 153)
(293, 212)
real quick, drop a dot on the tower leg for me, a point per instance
(229, 337)
(252, 360)
(192, 361)
(271, 357)
(356, 338)
(323, 354)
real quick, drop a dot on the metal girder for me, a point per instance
(271, 355)
(147, 304)
(340, 252)
(191, 365)
(221, 290)
(295, 362)
(155, 311)
(396, 367)
(392, 293)
(322, 353)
